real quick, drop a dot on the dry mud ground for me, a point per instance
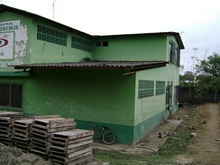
(205, 122)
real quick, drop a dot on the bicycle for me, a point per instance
(102, 132)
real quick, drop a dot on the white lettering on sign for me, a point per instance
(9, 26)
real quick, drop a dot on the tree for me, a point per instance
(209, 75)
(187, 81)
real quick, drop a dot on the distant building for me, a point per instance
(128, 82)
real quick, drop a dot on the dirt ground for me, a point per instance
(205, 122)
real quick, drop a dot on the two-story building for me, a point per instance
(128, 82)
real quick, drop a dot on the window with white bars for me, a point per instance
(160, 87)
(50, 35)
(81, 44)
(145, 88)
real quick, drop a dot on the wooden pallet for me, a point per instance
(21, 133)
(69, 147)
(42, 128)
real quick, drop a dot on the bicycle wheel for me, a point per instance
(108, 137)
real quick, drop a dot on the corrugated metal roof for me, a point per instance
(125, 65)
(175, 34)
(38, 17)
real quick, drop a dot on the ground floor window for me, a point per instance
(145, 88)
(11, 95)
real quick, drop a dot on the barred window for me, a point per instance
(81, 44)
(145, 88)
(160, 87)
(11, 95)
(50, 35)
(172, 52)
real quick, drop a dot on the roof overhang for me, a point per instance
(127, 66)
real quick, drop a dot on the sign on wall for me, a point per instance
(13, 42)
(6, 45)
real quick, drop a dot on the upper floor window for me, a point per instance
(102, 44)
(172, 52)
(50, 35)
(81, 44)
(177, 52)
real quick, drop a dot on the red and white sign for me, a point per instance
(6, 45)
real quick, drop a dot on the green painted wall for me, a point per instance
(26, 48)
(132, 48)
(43, 51)
(150, 111)
(102, 96)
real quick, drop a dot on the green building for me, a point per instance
(127, 82)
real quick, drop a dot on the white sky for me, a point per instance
(198, 21)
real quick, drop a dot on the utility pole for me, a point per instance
(53, 8)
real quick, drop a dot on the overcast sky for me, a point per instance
(197, 21)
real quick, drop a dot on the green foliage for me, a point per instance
(209, 74)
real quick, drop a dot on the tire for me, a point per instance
(108, 137)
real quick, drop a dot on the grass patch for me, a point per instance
(176, 144)
(117, 158)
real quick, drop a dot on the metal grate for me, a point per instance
(49, 35)
(160, 87)
(81, 44)
(145, 88)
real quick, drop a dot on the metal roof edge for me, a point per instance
(36, 16)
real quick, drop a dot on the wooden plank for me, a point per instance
(5, 132)
(61, 123)
(45, 122)
(21, 127)
(38, 139)
(18, 134)
(72, 134)
(61, 141)
(23, 131)
(52, 130)
(46, 116)
(71, 155)
(39, 148)
(5, 128)
(24, 122)
(10, 113)
(39, 143)
(5, 135)
(25, 143)
(71, 146)
(58, 150)
(22, 138)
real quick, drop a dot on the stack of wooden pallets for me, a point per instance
(71, 147)
(6, 120)
(5, 130)
(41, 129)
(21, 134)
